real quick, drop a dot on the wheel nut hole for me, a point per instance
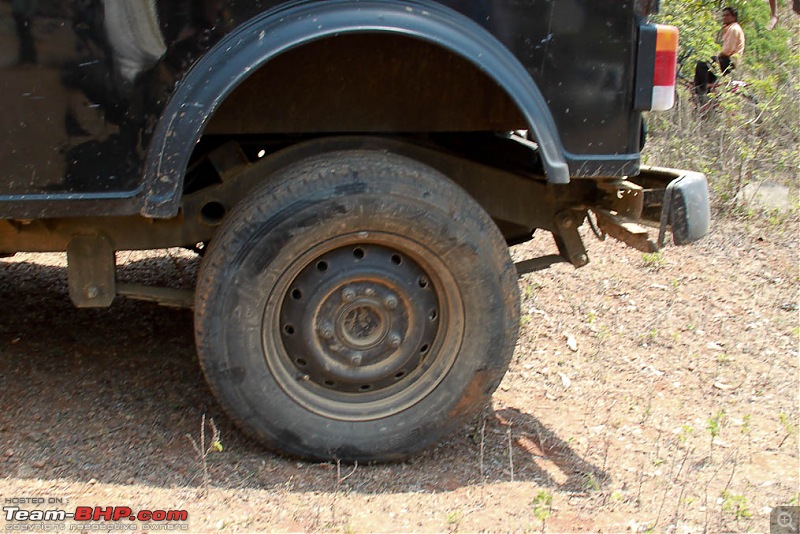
(213, 213)
(329, 383)
(322, 266)
(423, 282)
(424, 349)
(358, 253)
(297, 294)
(433, 315)
(301, 362)
(401, 374)
(397, 259)
(289, 329)
(365, 387)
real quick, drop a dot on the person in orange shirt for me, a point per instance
(732, 41)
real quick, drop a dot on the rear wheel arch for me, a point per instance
(235, 58)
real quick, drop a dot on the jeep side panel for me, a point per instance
(84, 87)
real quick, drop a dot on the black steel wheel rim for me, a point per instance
(362, 327)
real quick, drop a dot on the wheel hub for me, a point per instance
(362, 325)
(359, 319)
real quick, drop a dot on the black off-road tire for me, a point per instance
(357, 306)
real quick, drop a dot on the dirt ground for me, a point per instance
(647, 393)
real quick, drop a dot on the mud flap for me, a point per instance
(685, 209)
(675, 199)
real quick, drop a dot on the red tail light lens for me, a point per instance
(666, 61)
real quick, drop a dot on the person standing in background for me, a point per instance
(732, 41)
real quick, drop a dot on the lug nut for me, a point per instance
(356, 359)
(348, 295)
(390, 303)
(394, 340)
(369, 292)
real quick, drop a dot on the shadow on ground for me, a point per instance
(111, 394)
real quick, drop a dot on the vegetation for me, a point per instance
(747, 136)
(542, 506)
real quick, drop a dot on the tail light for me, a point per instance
(665, 64)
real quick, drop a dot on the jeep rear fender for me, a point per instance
(268, 35)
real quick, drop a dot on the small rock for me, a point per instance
(38, 464)
(653, 370)
(722, 386)
(26, 471)
(572, 343)
(9, 453)
(565, 380)
(93, 481)
(766, 195)
(714, 346)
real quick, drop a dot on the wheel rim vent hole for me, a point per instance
(289, 329)
(297, 294)
(322, 266)
(365, 387)
(301, 362)
(433, 315)
(397, 259)
(359, 253)
(423, 282)
(212, 213)
(424, 349)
